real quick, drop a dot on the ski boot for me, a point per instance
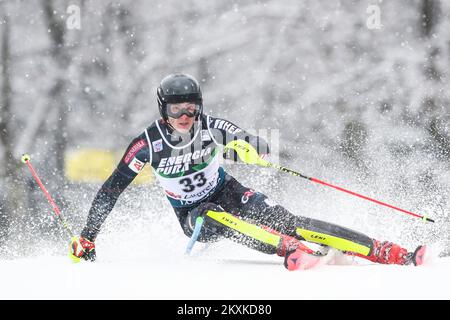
(296, 254)
(390, 253)
(299, 256)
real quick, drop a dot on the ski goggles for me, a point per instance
(176, 110)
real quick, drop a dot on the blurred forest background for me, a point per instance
(356, 91)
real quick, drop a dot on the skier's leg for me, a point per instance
(255, 206)
(221, 224)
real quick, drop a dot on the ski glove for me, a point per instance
(245, 151)
(82, 248)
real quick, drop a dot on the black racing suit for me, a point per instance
(188, 170)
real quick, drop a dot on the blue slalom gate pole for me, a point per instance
(195, 234)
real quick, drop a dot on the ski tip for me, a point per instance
(300, 260)
(291, 261)
(419, 255)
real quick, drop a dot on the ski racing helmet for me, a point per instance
(178, 88)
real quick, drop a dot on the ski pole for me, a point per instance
(26, 159)
(292, 172)
(249, 155)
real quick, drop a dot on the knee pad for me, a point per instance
(259, 208)
(254, 201)
(258, 205)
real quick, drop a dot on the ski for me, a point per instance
(418, 256)
(303, 258)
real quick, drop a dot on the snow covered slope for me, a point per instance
(240, 273)
(141, 256)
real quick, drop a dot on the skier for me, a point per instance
(183, 149)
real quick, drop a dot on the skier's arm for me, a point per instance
(130, 165)
(104, 202)
(224, 131)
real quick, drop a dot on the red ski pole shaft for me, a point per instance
(423, 217)
(26, 160)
